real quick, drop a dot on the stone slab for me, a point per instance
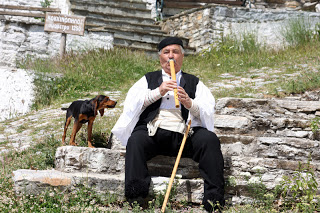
(101, 161)
(35, 182)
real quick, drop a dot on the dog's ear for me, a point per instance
(101, 112)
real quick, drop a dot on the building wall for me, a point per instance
(206, 26)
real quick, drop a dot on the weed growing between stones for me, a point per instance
(295, 193)
(315, 127)
(80, 199)
(263, 198)
(45, 3)
(299, 191)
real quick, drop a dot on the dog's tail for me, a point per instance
(64, 108)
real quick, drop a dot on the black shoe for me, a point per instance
(142, 202)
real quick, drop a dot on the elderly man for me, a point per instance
(151, 125)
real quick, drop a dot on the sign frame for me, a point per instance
(61, 23)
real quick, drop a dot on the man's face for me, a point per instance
(172, 51)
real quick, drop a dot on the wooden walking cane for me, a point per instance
(174, 171)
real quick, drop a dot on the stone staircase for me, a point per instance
(261, 140)
(103, 170)
(170, 8)
(129, 21)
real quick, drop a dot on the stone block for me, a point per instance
(109, 161)
(299, 106)
(34, 182)
(84, 159)
(230, 121)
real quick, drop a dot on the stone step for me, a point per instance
(123, 3)
(112, 17)
(73, 159)
(148, 47)
(280, 105)
(36, 181)
(106, 7)
(123, 24)
(266, 117)
(103, 170)
(130, 23)
(249, 125)
(139, 40)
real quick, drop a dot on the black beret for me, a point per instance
(168, 41)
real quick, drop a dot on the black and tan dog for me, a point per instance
(83, 112)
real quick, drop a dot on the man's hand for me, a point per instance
(167, 86)
(184, 98)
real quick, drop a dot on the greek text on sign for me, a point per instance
(64, 23)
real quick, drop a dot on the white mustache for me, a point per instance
(171, 60)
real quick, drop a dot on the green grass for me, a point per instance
(83, 74)
(79, 74)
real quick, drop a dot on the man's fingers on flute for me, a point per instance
(167, 86)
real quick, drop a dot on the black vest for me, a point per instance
(188, 82)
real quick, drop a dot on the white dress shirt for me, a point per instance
(133, 107)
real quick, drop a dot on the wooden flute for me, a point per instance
(173, 76)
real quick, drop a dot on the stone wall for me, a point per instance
(23, 37)
(267, 138)
(16, 92)
(20, 40)
(206, 26)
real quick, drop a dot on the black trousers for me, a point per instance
(203, 147)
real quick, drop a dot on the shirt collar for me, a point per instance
(178, 74)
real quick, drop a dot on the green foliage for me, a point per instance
(232, 55)
(80, 199)
(159, 196)
(299, 32)
(46, 3)
(315, 124)
(42, 156)
(233, 51)
(39, 156)
(296, 193)
(305, 81)
(299, 190)
(262, 197)
(45, 153)
(79, 74)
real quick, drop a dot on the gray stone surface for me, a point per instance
(206, 26)
(16, 92)
(83, 159)
(34, 181)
